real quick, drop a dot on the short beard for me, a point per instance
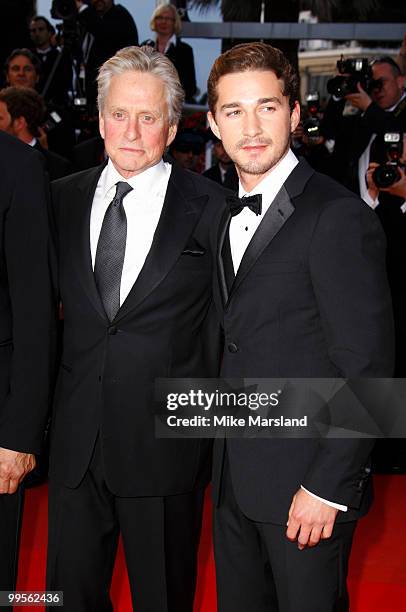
(255, 167)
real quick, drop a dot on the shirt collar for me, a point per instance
(151, 181)
(271, 184)
(392, 108)
(171, 41)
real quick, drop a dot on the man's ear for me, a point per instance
(295, 117)
(171, 134)
(101, 125)
(213, 124)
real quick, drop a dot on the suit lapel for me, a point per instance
(224, 260)
(275, 218)
(81, 210)
(181, 211)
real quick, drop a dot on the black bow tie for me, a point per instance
(253, 202)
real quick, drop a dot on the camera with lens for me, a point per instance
(311, 125)
(386, 175)
(351, 72)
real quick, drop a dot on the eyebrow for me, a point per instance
(273, 100)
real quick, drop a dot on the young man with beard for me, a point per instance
(302, 292)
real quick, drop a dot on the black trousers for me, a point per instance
(259, 570)
(10, 518)
(160, 538)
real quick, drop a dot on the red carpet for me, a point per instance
(377, 579)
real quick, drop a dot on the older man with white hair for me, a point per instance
(135, 282)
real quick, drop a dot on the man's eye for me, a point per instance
(268, 109)
(148, 118)
(118, 115)
(234, 113)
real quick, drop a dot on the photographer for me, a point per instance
(107, 27)
(308, 139)
(380, 106)
(360, 141)
(56, 70)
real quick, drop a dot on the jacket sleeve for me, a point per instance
(347, 262)
(29, 261)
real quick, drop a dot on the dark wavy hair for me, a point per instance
(253, 56)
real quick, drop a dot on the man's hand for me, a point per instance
(13, 467)
(309, 520)
(360, 100)
(372, 188)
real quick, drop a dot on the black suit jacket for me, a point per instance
(27, 301)
(181, 56)
(310, 299)
(56, 165)
(106, 381)
(352, 135)
(61, 81)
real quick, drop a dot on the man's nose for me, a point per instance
(133, 130)
(252, 124)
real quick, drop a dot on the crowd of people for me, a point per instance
(263, 267)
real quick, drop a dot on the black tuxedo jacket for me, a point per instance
(310, 299)
(27, 300)
(106, 381)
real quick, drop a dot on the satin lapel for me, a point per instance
(181, 210)
(276, 216)
(221, 272)
(81, 210)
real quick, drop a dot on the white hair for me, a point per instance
(143, 59)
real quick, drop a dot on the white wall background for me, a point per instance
(205, 51)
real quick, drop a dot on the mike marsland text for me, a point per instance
(231, 421)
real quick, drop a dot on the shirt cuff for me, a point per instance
(329, 503)
(403, 207)
(370, 201)
(82, 8)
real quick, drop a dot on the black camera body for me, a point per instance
(352, 71)
(386, 175)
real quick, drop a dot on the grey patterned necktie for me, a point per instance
(110, 252)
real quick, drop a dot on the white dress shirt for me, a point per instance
(143, 207)
(244, 225)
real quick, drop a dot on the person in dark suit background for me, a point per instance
(302, 292)
(23, 69)
(27, 336)
(107, 28)
(165, 21)
(223, 171)
(135, 285)
(22, 113)
(55, 79)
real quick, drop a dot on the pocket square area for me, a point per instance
(193, 248)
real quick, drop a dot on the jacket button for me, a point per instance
(112, 330)
(233, 348)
